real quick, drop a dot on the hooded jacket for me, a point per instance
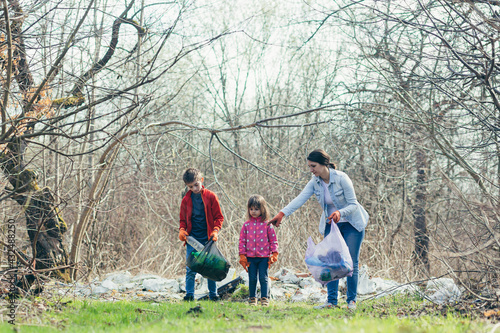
(257, 239)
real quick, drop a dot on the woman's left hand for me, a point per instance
(335, 217)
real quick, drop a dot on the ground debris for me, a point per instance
(258, 327)
(196, 310)
(145, 310)
(492, 313)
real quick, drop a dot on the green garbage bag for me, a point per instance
(209, 262)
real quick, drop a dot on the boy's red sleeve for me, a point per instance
(216, 212)
(182, 216)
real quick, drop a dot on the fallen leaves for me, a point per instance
(492, 313)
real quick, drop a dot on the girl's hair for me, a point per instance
(259, 202)
(320, 156)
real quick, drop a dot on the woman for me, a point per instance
(334, 191)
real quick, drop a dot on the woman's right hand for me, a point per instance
(244, 262)
(277, 219)
(335, 217)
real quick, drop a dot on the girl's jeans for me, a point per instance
(353, 239)
(261, 266)
(190, 275)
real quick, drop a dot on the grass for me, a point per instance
(398, 314)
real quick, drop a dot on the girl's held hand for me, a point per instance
(335, 217)
(277, 219)
(244, 262)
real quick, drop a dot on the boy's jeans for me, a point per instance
(261, 265)
(190, 275)
(353, 239)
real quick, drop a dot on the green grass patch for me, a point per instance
(398, 314)
(240, 293)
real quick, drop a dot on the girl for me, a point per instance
(335, 193)
(258, 247)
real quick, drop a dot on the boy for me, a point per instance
(201, 218)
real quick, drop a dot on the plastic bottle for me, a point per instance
(194, 243)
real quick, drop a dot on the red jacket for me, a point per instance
(212, 211)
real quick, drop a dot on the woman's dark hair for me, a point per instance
(320, 156)
(258, 202)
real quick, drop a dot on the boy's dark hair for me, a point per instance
(259, 202)
(191, 175)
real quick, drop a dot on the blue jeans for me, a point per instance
(260, 266)
(353, 239)
(190, 275)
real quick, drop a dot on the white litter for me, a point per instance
(109, 285)
(309, 282)
(365, 285)
(141, 277)
(97, 290)
(119, 278)
(161, 284)
(444, 290)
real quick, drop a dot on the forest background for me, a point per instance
(105, 103)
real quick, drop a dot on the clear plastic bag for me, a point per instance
(209, 262)
(330, 259)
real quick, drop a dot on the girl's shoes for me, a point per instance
(264, 301)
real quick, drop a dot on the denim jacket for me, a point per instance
(342, 194)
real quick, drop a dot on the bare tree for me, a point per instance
(95, 113)
(431, 67)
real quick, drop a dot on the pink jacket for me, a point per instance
(257, 239)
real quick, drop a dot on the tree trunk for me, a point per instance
(43, 220)
(421, 253)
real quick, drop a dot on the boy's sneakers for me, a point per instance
(324, 306)
(264, 301)
(252, 301)
(214, 298)
(351, 305)
(188, 298)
